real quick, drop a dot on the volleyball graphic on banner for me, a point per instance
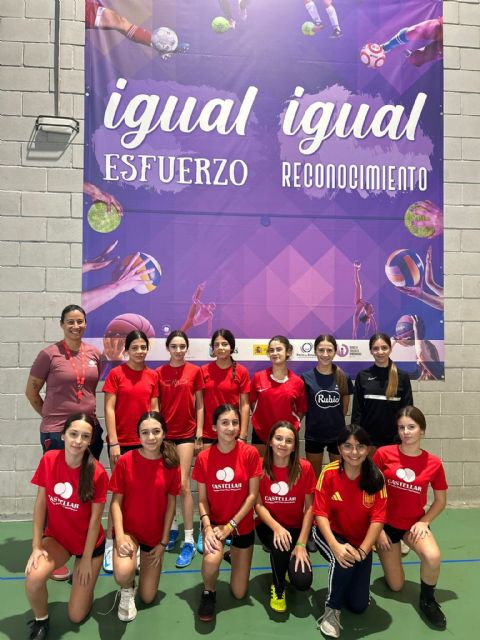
(150, 281)
(404, 268)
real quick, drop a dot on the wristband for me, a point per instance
(300, 544)
(229, 525)
(243, 438)
(205, 515)
(163, 544)
(233, 525)
(113, 444)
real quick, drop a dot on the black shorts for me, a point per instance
(98, 551)
(256, 439)
(243, 541)
(182, 440)
(315, 446)
(145, 547)
(209, 440)
(395, 534)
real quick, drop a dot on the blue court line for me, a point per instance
(266, 568)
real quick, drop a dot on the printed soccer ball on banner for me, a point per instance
(164, 40)
(308, 29)
(372, 55)
(220, 24)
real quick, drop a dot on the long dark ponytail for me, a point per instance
(86, 488)
(371, 478)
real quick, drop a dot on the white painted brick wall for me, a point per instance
(40, 236)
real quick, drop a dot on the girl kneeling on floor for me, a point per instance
(349, 507)
(72, 490)
(284, 510)
(228, 474)
(144, 483)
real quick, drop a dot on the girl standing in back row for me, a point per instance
(180, 387)
(276, 394)
(380, 391)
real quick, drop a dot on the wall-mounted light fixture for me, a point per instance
(57, 124)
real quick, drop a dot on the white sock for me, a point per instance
(332, 16)
(42, 619)
(189, 536)
(313, 11)
(108, 542)
(174, 526)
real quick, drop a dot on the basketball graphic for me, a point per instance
(63, 489)
(404, 268)
(279, 488)
(225, 474)
(121, 325)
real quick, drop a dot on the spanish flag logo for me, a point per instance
(368, 501)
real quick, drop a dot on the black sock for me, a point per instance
(427, 591)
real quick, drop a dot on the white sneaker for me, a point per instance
(127, 610)
(404, 548)
(108, 556)
(138, 559)
(329, 623)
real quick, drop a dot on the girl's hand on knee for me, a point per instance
(383, 542)
(302, 558)
(125, 548)
(346, 555)
(83, 571)
(156, 555)
(282, 538)
(35, 556)
(210, 541)
(419, 531)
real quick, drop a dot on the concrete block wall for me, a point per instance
(40, 235)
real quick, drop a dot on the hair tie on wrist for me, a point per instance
(113, 444)
(205, 515)
(300, 544)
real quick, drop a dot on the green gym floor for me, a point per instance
(172, 616)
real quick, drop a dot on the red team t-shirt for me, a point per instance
(53, 365)
(226, 476)
(221, 389)
(349, 509)
(274, 401)
(408, 478)
(287, 505)
(67, 517)
(145, 485)
(134, 391)
(177, 387)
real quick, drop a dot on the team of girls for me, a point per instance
(130, 390)
(180, 386)
(380, 391)
(349, 507)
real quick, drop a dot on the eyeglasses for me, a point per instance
(359, 448)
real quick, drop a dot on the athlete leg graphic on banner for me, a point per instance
(199, 312)
(364, 310)
(99, 17)
(311, 7)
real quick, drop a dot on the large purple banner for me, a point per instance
(268, 166)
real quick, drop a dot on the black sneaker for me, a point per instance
(433, 613)
(39, 629)
(206, 609)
